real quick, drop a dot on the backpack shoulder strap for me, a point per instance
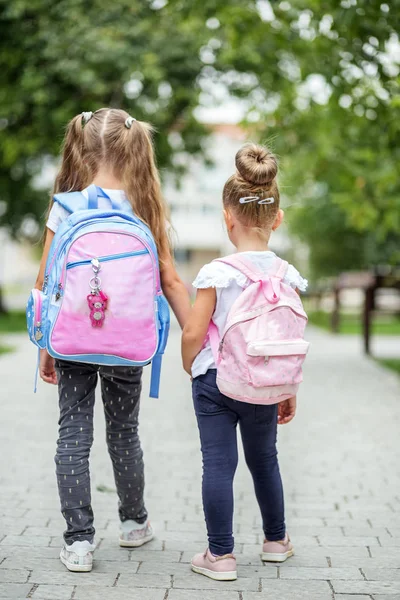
(243, 265)
(71, 201)
(246, 267)
(280, 268)
(270, 283)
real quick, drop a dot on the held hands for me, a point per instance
(47, 368)
(287, 410)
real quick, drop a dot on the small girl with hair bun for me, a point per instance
(252, 213)
(114, 151)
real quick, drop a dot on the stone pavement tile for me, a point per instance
(53, 592)
(191, 547)
(354, 597)
(153, 567)
(193, 581)
(348, 541)
(51, 531)
(304, 530)
(110, 566)
(12, 512)
(309, 522)
(378, 552)
(304, 540)
(380, 597)
(382, 574)
(85, 592)
(142, 554)
(390, 562)
(325, 573)
(25, 540)
(306, 559)
(367, 587)
(389, 542)
(14, 591)
(144, 581)
(394, 529)
(264, 571)
(364, 531)
(291, 590)
(31, 562)
(15, 528)
(111, 554)
(344, 521)
(14, 575)
(59, 578)
(18, 553)
(202, 595)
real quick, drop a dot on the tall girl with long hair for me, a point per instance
(114, 151)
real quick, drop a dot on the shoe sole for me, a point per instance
(135, 544)
(276, 557)
(76, 568)
(227, 576)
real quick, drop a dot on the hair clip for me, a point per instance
(128, 122)
(247, 199)
(86, 116)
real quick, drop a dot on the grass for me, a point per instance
(13, 322)
(390, 363)
(351, 323)
(5, 349)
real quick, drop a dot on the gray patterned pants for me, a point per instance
(120, 388)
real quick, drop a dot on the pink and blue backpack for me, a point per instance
(101, 301)
(260, 353)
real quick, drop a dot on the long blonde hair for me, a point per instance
(128, 151)
(256, 173)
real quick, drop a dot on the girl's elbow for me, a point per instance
(189, 336)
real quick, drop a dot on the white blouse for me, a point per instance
(229, 283)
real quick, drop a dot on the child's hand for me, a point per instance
(47, 368)
(287, 410)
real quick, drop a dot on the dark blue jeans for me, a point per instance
(217, 418)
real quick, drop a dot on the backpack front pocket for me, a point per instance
(128, 328)
(277, 362)
(34, 318)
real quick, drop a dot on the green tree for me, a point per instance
(329, 76)
(320, 79)
(64, 57)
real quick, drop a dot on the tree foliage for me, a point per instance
(320, 79)
(64, 57)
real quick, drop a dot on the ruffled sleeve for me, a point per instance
(295, 280)
(218, 275)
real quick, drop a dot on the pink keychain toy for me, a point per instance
(97, 300)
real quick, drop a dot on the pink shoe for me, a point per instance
(277, 551)
(220, 568)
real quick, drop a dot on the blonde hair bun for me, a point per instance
(256, 164)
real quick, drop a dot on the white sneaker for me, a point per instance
(78, 557)
(133, 535)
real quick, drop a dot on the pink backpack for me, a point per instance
(260, 355)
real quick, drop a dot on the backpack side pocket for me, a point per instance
(163, 322)
(34, 318)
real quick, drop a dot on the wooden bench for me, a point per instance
(369, 282)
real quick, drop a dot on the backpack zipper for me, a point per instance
(79, 263)
(64, 243)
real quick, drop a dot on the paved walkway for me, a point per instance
(340, 462)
